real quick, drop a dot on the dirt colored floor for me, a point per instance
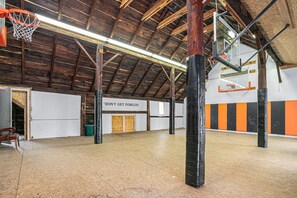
(148, 164)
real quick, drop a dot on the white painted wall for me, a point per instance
(162, 121)
(55, 115)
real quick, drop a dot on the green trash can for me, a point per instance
(89, 129)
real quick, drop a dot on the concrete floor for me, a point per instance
(149, 164)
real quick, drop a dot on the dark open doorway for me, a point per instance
(18, 118)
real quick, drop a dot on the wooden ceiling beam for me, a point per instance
(53, 61)
(143, 78)
(154, 9)
(130, 75)
(116, 73)
(125, 3)
(91, 14)
(184, 27)
(60, 9)
(76, 68)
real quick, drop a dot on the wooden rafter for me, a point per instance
(130, 75)
(76, 68)
(183, 27)
(53, 61)
(156, 8)
(91, 14)
(172, 18)
(60, 9)
(153, 83)
(86, 52)
(116, 73)
(143, 78)
(116, 22)
(125, 3)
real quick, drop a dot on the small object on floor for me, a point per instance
(7, 134)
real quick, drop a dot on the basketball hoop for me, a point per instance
(24, 22)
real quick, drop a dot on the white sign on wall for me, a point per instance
(115, 104)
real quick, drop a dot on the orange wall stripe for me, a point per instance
(222, 116)
(207, 116)
(291, 117)
(269, 117)
(241, 117)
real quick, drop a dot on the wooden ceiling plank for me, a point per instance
(76, 68)
(116, 22)
(153, 83)
(116, 73)
(285, 12)
(154, 9)
(91, 14)
(161, 87)
(143, 78)
(130, 75)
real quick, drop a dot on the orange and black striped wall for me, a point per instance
(282, 116)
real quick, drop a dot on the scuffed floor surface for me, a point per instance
(148, 164)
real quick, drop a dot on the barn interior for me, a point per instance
(148, 98)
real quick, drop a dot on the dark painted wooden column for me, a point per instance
(148, 115)
(195, 145)
(262, 95)
(98, 96)
(172, 102)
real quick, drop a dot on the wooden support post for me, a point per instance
(172, 102)
(83, 117)
(98, 96)
(195, 140)
(262, 95)
(148, 115)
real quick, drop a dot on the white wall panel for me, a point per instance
(55, 115)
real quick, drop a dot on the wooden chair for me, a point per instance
(8, 134)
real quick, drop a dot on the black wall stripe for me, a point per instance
(214, 116)
(278, 118)
(252, 117)
(231, 117)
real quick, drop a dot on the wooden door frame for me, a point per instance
(117, 115)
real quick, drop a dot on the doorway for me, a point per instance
(123, 124)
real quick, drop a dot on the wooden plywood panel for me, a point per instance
(291, 117)
(129, 123)
(117, 124)
(223, 116)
